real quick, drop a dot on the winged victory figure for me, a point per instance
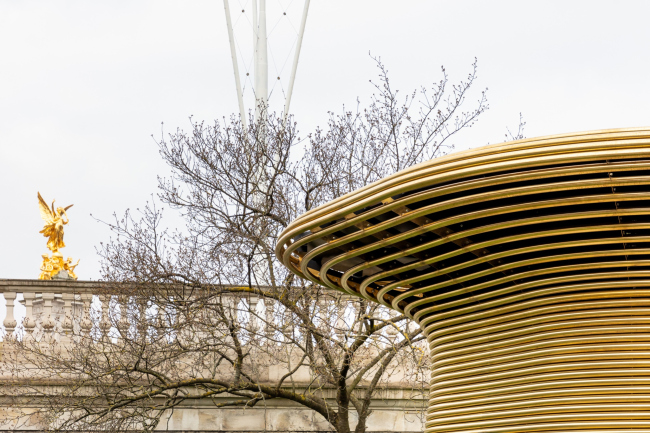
(54, 222)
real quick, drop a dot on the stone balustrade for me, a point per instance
(50, 309)
(64, 311)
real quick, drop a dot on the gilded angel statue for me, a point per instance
(54, 222)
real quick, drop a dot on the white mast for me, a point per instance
(260, 59)
(233, 55)
(255, 44)
(296, 56)
(261, 84)
(261, 63)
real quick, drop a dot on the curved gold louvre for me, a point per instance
(527, 264)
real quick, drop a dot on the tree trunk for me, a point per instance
(343, 421)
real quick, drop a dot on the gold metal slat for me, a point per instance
(284, 249)
(445, 318)
(417, 177)
(450, 204)
(561, 347)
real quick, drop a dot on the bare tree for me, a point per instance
(207, 312)
(520, 130)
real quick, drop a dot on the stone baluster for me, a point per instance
(122, 324)
(253, 321)
(161, 321)
(230, 307)
(357, 324)
(288, 325)
(85, 315)
(29, 322)
(58, 316)
(48, 314)
(391, 330)
(323, 314)
(67, 317)
(339, 324)
(10, 322)
(269, 314)
(37, 314)
(104, 320)
(77, 315)
(143, 320)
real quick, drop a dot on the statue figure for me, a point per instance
(55, 267)
(47, 268)
(68, 266)
(54, 222)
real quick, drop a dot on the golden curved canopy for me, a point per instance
(527, 265)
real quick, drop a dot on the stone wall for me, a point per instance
(396, 409)
(390, 415)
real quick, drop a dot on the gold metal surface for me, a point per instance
(527, 265)
(54, 219)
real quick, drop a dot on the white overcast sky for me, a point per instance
(84, 84)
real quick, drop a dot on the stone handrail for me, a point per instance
(66, 308)
(65, 311)
(56, 307)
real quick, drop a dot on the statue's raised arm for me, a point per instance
(54, 222)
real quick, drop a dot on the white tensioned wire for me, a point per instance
(293, 45)
(248, 64)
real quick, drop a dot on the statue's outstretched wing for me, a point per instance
(68, 207)
(46, 213)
